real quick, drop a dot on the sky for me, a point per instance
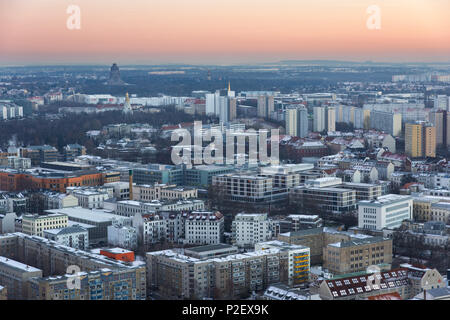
(222, 32)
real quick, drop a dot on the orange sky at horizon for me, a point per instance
(217, 31)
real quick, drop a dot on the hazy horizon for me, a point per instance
(204, 32)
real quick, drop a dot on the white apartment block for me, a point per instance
(121, 189)
(15, 162)
(90, 199)
(385, 212)
(162, 192)
(122, 236)
(10, 112)
(60, 200)
(151, 228)
(251, 228)
(35, 225)
(204, 228)
(129, 208)
(75, 236)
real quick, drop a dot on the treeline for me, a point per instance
(72, 127)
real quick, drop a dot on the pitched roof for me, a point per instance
(368, 283)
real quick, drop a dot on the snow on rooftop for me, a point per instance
(18, 265)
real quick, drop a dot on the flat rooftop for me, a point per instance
(386, 200)
(17, 265)
(97, 216)
(212, 247)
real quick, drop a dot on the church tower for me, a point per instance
(127, 105)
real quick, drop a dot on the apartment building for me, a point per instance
(440, 211)
(296, 222)
(385, 212)
(365, 286)
(406, 281)
(100, 274)
(388, 122)
(228, 276)
(357, 254)
(299, 260)
(96, 285)
(74, 236)
(123, 236)
(422, 207)
(129, 208)
(91, 199)
(162, 192)
(204, 228)
(317, 239)
(420, 140)
(14, 276)
(151, 229)
(58, 200)
(35, 225)
(247, 229)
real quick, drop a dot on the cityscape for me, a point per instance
(253, 176)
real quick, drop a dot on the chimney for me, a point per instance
(130, 178)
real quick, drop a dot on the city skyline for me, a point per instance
(226, 32)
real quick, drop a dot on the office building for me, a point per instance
(385, 212)
(35, 225)
(316, 195)
(357, 254)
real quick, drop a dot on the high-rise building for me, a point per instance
(331, 119)
(319, 119)
(297, 121)
(420, 140)
(437, 119)
(324, 119)
(413, 140)
(441, 102)
(265, 106)
(389, 122)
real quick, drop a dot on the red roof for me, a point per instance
(387, 296)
